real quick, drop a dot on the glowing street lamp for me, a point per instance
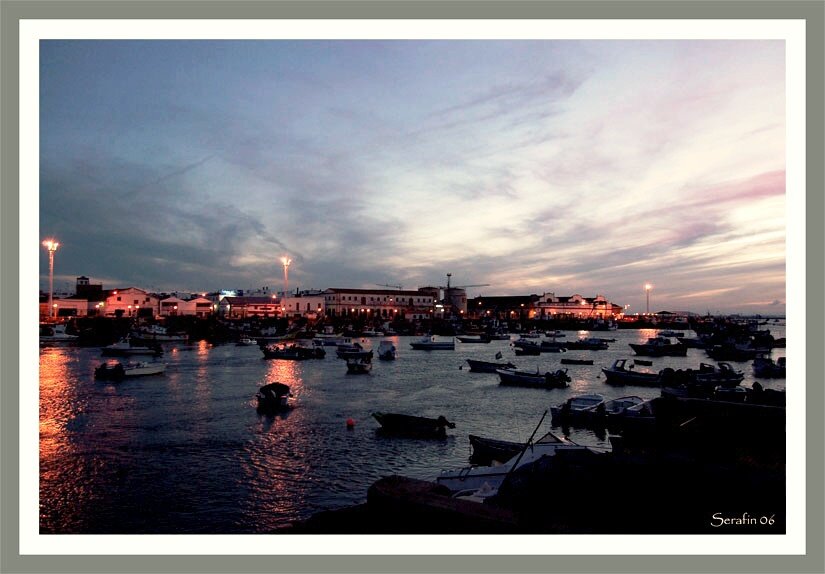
(648, 287)
(52, 246)
(286, 261)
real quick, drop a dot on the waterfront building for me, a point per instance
(549, 306)
(507, 308)
(309, 304)
(379, 303)
(243, 307)
(130, 302)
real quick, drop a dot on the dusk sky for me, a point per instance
(588, 167)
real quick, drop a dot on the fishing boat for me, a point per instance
(359, 365)
(386, 350)
(669, 333)
(659, 347)
(159, 333)
(431, 344)
(587, 344)
(274, 397)
(410, 425)
(531, 351)
(487, 451)
(246, 342)
(548, 380)
(622, 374)
(477, 366)
(601, 413)
(573, 408)
(475, 477)
(353, 351)
(553, 347)
(474, 339)
(126, 347)
(56, 335)
(577, 361)
(118, 371)
(767, 368)
(292, 352)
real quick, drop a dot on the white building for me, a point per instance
(378, 303)
(130, 302)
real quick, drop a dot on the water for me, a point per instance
(186, 452)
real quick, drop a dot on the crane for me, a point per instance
(449, 275)
(399, 287)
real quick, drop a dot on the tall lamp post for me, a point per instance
(648, 287)
(286, 261)
(52, 246)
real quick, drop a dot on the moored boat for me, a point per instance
(431, 344)
(622, 374)
(477, 366)
(386, 350)
(159, 333)
(292, 352)
(577, 361)
(359, 365)
(474, 339)
(126, 347)
(587, 344)
(659, 347)
(118, 371)
(574, 407)
(411, 425)
(56, 335)
(767, 368)
(274, 397)
(488, 450)
(548, 380)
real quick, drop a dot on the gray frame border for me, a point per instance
(12, 11)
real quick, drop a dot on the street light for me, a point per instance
(286, 261)
(52, 246)
(648, 287)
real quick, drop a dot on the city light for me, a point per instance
(51, 245)
(286, 261)
(648, 287)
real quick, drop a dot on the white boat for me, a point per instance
(386, 350)
(246, 342)
(159, 333)
(575, 406)
(120, 371)
(125, 348)
(431, 344)
(55, 334)
(474, 477)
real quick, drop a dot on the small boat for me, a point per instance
(372, 333)
(548, 380)
(474, 477)
(659, 347)
(669, 333)
(292, 352)
(574, 407)
(474, 339)
(359, 365)
(620, 374)
(487, 367)
(126, 347)
(55, 335)
(767, 368)
(500, 336)
(587, 344)
(553, 347)
(431, 344)
(601, 413)
(353, 351)
(386, 350)
(528, 351)
(643, 362)
(274, 397)
(119, 371)
(488, 450)
(422, 427)
(530, 335)
(555, 334)
(159, 333)
(577, 361)
(246, 342)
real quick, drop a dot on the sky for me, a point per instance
(589, 167)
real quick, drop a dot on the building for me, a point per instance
(505, 308)
(88, 300)
(243, 307)
(379, 303)
(309, 304)
(549, 306)
(130, 302)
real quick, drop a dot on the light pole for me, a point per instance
(648, 287)
(286, 261)
(52, 246)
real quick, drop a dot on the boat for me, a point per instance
(767, 368)
(386, 350)
(474, 339)
(554, 334)
(548, 380)
(552, 347)
(530, 335)
(292, 352)
(669, 333)
(622, 374)
(488, 450)
(587, 344)
(643, 362)
(159, 333)
(55, 335)
(601, 413)
(246, 342)
(474, 477)
(372, 333)
(274, 397)
(528, 351)
(723, 374)
(126, 347)
(574, 407)
(431, 344)
(332, 339)
(659, 347)
(577, 361)
(117, 371)
(353, 351)
(410, 425)
(487, 366)
(500, 336)
(359, 365)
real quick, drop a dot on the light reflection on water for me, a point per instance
(187, 451)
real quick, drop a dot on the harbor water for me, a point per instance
(187, 452)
